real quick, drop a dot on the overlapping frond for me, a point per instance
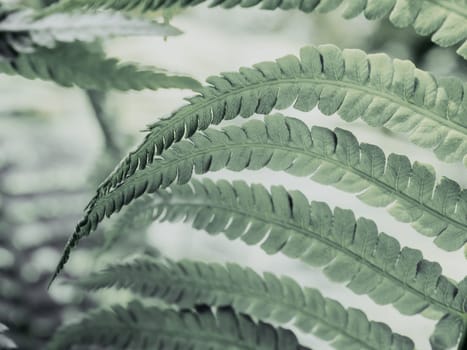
(350, 250)
(393, 94)
(444, 20)
(21, 32)
(286, 144)
(144, 328)
(188, 283)
(75, 64)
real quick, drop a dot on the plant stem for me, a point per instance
(96, 99)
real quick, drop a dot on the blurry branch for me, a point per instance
(97, 100)
(40, 193)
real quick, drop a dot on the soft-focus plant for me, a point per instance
(211, 306)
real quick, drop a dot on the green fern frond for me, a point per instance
(287, 144)
(281, 299)
(393, 94)
(350, 250)
(444, 20)
(144, 328)
(74, 64)
(22, 32)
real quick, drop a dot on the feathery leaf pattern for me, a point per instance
(143, 328)
(393, 94)
(188, 283)
(74, 64)
(350, 250)
(287, 144)
(444, 20)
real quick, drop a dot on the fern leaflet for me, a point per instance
(445, 20)
(349, 249)
(281, 299)
(287, 144)
(75, 64)
(144, 328)
(393, 94)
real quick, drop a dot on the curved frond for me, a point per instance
(286, 144)
(350, 250)
(393, 94)
(74, 64)
(444, 20)
(144, 328)
(23, 33)
(188, 283)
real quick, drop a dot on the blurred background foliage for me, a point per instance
(57, 143)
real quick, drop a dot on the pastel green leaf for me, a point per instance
(147, 327)
(76, 65)
(444, 20)
(335, 158)
(384, 93)
(282, 300)
(350, 250)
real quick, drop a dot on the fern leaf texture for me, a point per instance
(140, 327)
(444, 20)
(382, 92)
(286, 144)
(188, 283)
(74, 64)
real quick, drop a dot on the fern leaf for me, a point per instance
(350, 250)
(140, 327)
(281, 299)
(74, 64)
(444, 20)
(393, 94)
(287, 144)
(23, 32)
